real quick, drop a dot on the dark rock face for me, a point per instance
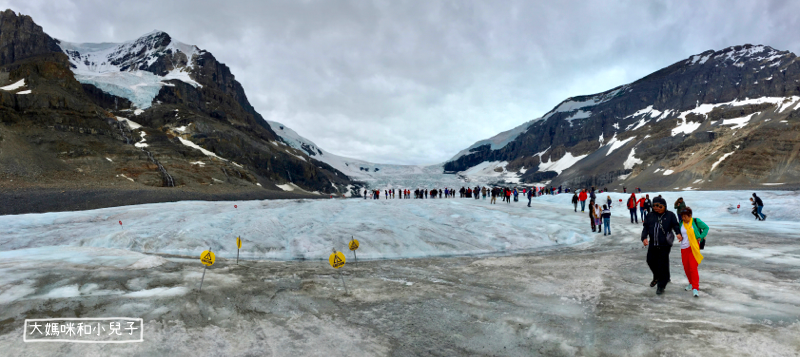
(21, 38)
(105, 100)
(66, 134)
(662, 117)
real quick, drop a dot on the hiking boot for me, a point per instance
(659, 291)
(688, 287)
(695, 293)
(653, 283)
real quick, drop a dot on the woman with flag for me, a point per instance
(693, 231)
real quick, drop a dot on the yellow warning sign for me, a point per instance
(337, 260)
(353, 244)
(207, 257)
(238, 242)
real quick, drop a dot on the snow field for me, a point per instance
(299, 229)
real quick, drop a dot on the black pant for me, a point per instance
(658, 261)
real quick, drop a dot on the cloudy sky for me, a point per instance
(414, 82)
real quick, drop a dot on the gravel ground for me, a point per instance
(40, 200)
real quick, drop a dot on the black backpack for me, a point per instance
(702, 242)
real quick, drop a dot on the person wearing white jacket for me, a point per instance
(597, 217)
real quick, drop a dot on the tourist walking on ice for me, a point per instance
(648, 206)
(530, 196)
(641, 207)
(693, 232)
(582, 198)
(657, 227)
(679, 205)
(608, 201)
(759, 207)
(606, 220)
(575, 200)
(755, 209)
(632, 208)
(598, 216)
(591, 216)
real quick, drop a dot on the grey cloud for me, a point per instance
(416, 81)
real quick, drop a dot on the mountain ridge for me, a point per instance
(660, 109)
(69, 119)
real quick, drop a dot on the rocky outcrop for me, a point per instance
(21, 38)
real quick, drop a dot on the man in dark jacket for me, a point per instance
(530, 196)
(654, 236)
(759, 206)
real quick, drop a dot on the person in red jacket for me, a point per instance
(641, 207)
(582, 198)
(632, 208)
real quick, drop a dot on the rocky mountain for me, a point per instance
(719, 119)
(152, 113)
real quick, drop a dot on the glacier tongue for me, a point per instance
(119, 68)
(139, 87)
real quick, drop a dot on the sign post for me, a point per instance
(353, 246)
(238, 246)
(207, 258)
(337, 261)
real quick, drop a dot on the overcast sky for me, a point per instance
(414, 82)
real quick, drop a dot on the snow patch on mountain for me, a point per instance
(740, 122)
(561, 164)
(721, 159)
(498, 141)
(631, 161)
(14, 86)
(615, 144)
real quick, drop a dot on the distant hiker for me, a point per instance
(483, 192)
(591, 216)
(694, 232)
(606, 214)
(754, 211)
(582, 198)
(592, 196)
(598, 216)
(759, 207)
(530, 196)
(477, 192)
(516, 195)
(365, 194)
(493, 201)
(679, 205)
(575, 200)
(608, 201)
(624, 189)
(559, 189)
(648, 206)
(657, 228)
(639, 189)
(632, 208)
(508, 195)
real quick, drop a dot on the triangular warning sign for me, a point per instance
(208, 256)
(337, 261)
